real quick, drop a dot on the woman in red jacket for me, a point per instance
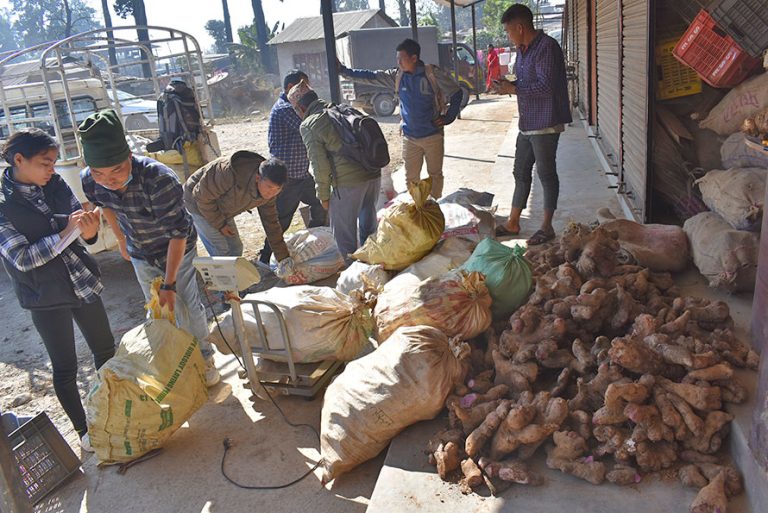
(494, 69)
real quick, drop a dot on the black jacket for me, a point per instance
(48, 286)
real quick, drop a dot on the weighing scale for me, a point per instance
(234, 275)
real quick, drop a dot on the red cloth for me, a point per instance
(494, 69)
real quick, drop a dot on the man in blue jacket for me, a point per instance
(422, 90)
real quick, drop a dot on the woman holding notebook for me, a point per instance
(53, 275)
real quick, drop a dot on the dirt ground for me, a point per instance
(24, 364)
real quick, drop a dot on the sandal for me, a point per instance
(502, 231)
(540, 237)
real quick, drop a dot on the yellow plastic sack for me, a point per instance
(174, 158)
(407, 232)
(457, 303)
(153, 384)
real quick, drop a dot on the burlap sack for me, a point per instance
(726, 257)
(406, 380)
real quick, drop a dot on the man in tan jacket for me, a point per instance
(228, 186)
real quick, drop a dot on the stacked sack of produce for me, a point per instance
(315, 255)
(322, 323)
(407, 231)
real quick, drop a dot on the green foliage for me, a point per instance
(492, 13)
(7, 35)
(350, 5)
(218, 31)
(428, 19)
(37, 21)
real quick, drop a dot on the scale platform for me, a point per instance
(310, 377)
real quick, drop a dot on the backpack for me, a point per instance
(362, 139)
(441, 107)
(178, 115)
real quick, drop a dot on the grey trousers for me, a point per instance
(352, 212)
(542, 151)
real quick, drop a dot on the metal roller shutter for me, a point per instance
(582, 35)
(608, 98)
(635, 106)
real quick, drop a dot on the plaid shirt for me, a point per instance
(285, 140)
(150, 212)
(542, 88)
(26, 256)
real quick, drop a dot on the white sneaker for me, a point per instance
(85, 443)
(212, 376)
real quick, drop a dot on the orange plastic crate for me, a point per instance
(716, 57)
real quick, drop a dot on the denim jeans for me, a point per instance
(542, 151)
(215, 242)
(295, 192)
(352, 211)
(189, 309)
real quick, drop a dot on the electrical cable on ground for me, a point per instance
(228, 443)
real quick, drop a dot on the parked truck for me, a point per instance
(375, 49)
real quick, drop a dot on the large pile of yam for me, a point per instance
(609, 370)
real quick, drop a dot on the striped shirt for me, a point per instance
(285, 140)
(150, 212)
(26, 256)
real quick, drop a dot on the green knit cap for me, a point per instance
(103, 139)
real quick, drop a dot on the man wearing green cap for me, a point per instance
(143, 201)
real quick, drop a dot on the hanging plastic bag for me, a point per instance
(507, 274)
(407, 231)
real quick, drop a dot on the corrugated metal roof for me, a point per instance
(311, 29)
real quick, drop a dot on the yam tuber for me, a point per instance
(711, 498)
(733, 482)
(691, 476)
(480, 435)
(701, 398)
(635, 356)
(655, 456)
(473, 476)
(472, 417)
(563, 456)
(507, 440)
(623, 475)
(517, 377)
(512, 471)
(447, 459)
(616, 397)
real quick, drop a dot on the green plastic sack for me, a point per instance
(507, 275)
(407, 232)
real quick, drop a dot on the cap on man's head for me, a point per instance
(300, 94)
(103, 139)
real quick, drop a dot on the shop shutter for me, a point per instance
(635, 119)
(582, 35)
(608, 69)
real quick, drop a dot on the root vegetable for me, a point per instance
(711, 498)
(585, 360)
(655, 456)
(732, 390)
(505, 440)
(677, 326)
(512, 471)
(598, 254)
(670, 352)
(563, 456)
(478, 438)
(692, 421)
(708, 440)
(482, 382)
(517, 377)
(635, 356)
(714, 373)
(473, 476)
(649, 418)
(701, 398)
(447, 458)
(669, 415)
(590, 394)
(563, 380)
(690, 456)
(472, 417)
(581, 422)
(733, 482)
(691, 476)
(497, 392)
(611, 438)
(623, 475)
(616, 397)
(443, 437)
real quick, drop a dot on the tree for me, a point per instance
(38, 21)
(136, 8)
(218, 31)
(7, 35)
(110, 34)
(350, 5)
(227, 20)
(260, 27)
(492, 12)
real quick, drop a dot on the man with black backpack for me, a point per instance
(348, 182)
(429, 100)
